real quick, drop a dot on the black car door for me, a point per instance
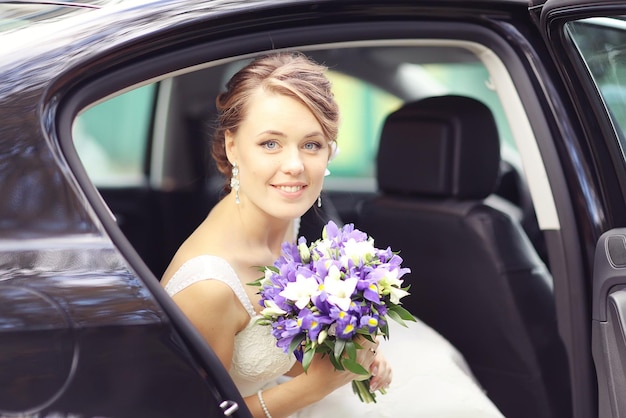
(588, 42)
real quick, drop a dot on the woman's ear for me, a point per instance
(229, 146)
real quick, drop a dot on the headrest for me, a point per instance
(440, 146)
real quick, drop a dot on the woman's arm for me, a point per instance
(320, 380)
(216, 313)
(306, 388)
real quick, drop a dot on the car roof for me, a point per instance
(19, 14)
(24, 14)
(90, 27)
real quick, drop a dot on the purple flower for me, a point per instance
(369, 322)
(347, 327)
(312, 323)
(284, 330)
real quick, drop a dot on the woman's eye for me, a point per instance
(312, 146)
(270, 145)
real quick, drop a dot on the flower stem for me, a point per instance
(362, 389)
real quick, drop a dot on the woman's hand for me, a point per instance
(322, 375)
(381, 373)
(373, 360)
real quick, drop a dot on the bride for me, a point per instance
(276, 131)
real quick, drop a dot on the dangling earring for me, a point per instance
(234, 182)
(319, 201)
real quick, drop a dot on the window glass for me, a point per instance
(472, 80)
(364, 108)
(601, 42)
(112, 138)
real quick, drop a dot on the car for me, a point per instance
(482, 139)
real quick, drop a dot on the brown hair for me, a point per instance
(290, 74)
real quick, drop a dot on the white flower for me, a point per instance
(390, 284)
(322, 249)
(322, 336)
(301, 290)
(272, 309)
(339, 291)
(305, 254)
(396, 294)
(362, 251)
(267, 278)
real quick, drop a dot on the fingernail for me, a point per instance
(374, 371)
(373, 387)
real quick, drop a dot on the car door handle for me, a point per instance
(229, 407)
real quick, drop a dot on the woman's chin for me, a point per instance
(291, 211)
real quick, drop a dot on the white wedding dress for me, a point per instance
(430, 377)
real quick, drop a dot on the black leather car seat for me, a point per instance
(476, 277)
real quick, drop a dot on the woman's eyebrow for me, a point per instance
(312, 134)
(278, 133)
(271, 132)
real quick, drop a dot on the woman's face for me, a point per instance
(281, 153)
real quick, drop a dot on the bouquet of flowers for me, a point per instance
(319, 297)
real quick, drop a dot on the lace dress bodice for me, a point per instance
(256, 360)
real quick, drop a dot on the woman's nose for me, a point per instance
(293, 163)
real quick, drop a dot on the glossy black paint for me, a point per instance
(105, 316)
(105, 347)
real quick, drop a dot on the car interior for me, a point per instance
(427, 165)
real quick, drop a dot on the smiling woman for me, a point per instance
(276, 122)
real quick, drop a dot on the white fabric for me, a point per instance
(430, 377)
(430, 380)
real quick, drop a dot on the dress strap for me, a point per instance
(208, 267)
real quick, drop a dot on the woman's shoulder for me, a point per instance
(206, 275)
(198, 268)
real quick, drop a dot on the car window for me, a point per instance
(472, 80)
(364, 108)
(111, 138)
(601, 42)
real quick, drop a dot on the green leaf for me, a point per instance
(307, 358)
(351, 350)
(403, 313)
(338, 348)
(263, 321)
(297, 340)
(335, 362)
(385, 330)
(396, 317)
(257, 282)
(354, 367)
(330, 343)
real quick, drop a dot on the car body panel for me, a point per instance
(62, 250)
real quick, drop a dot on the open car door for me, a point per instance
(588, 41)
